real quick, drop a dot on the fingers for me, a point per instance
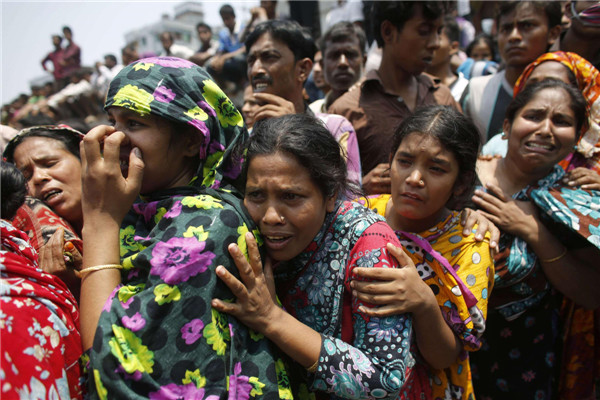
(135, 172)
(496, 191)
(376, 299)
(226, 307)
(90, 144)
(242, 264)
(237, 288)
(383, 311)
(270, 279)
(486, 202)
(76, 257)
(254, 254)
(378, 287)
(403, 259)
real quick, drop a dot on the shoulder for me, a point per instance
(335, 122)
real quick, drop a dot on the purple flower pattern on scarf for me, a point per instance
(163, 94)
(239, 386)
(170, 62)
(178, 259)
(192, 331)
(173, 391)
(135, 322)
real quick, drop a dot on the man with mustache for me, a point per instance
(526, 30)
(408, 33)
(280, 58)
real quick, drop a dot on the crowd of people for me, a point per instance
(407, 206)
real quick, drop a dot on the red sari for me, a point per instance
(39, 324)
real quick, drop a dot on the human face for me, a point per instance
(481, 51)
(414, 46)
(343, 63)
(250, 106)
(318, 71)
(285, 203)
(272, 69)
(53, 175)
(424, 176)
(549, 69)
(543, 132)
(166, 41)
(167, 162)
(444, 51)
(56, 41)
(523, 35)
(204, 34)
(228, 21)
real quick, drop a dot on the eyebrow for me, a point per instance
(434, 159)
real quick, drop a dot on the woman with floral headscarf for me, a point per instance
(157, 336)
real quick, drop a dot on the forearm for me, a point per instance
(438, 345)
(101, 246)
(300, 342)
(572, 275)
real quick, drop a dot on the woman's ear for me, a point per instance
(330, 203)
(193, 142)
(505, 129)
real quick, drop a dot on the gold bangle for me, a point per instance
(84, 271)
(313, 368)
(549, 260)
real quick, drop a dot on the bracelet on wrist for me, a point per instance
(313, 368)
(558, 257)
(85, 271)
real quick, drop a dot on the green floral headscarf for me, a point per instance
(182, 92)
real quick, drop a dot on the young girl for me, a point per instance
(149, 270)
(447, 284)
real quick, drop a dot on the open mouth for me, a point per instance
(276, 242)
(51, 195)
(537, 146)
(411, 196)
(260, 87)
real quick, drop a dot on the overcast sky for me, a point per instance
(98, 28)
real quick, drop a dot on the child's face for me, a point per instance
(424, 175)
(524, 35)
(414, 46)
(481, 51)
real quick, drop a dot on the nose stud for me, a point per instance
(421, 182)
(282, 219)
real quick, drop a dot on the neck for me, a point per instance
(298, 102)
(401, 223)
(512, 177)
(443, 72)
(587, 49)
(395, 80)
(512, 73)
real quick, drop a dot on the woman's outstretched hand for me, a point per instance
(255, 306)
(105, 190)
(393, 290)
(585, 178)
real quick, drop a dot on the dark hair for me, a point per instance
(14, 190)
(70, 138)
(456, 133)
(341, 32)
(67, 29)
(398, 12)
(552, 10)
(297, 38)
(487, 39)
(59, 37)
(203, 25)
(451, 28)
(169, 34)
(578, 102)
(308, 140)
(226, 9)
(111, 57)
